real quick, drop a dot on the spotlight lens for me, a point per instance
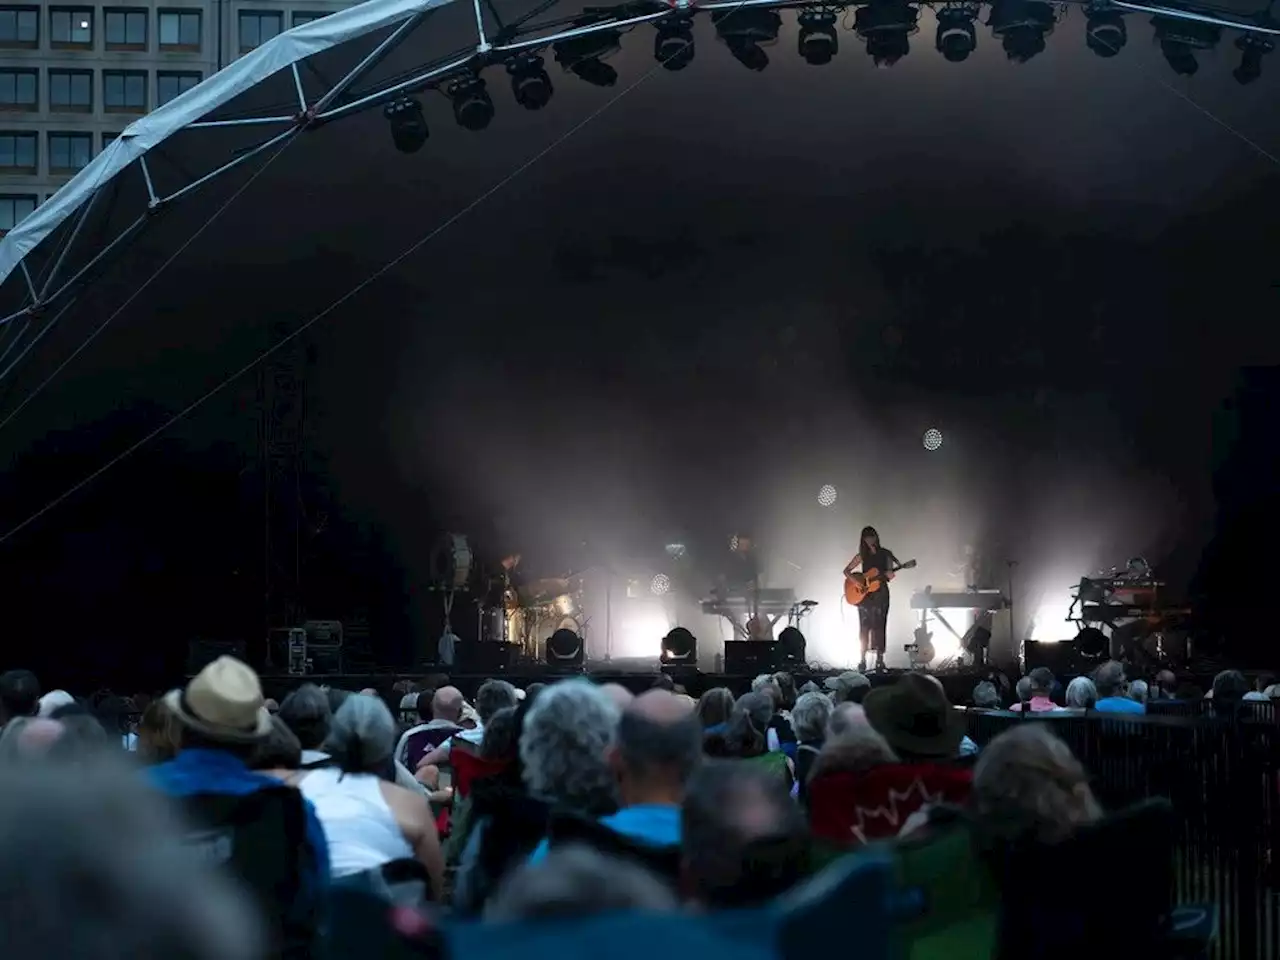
(660, 585)
(932, 438)
(827, 495)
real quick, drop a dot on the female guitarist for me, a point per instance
(867, 585)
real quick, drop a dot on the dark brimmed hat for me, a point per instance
(915, 716)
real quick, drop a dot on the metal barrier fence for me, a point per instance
(1222, 776)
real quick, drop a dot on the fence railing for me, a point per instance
(1222, 775)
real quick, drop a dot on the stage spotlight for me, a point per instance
(743, 30)
(673, 46)
(1252, 48)
(827, 495)
(733, 543)
(791, 644)
(818, 41)
(886, 27)
(675, 551)
(957, 35)
(932, 438)
(1092, 643)
(408, 126)
(680, 646)
(472, 106)
(1105, 33)
(529, 81)
(583, 55)
(564, 649)
(660, 584)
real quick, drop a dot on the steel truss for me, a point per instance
(56, 289)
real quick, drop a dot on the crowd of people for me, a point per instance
(222, 824)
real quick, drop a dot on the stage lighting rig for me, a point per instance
(673, 44)
(472, 105)
(409, 130)
(885, 26)
(1180, 39)
(660, 585)
(957, 35)
(1251, 46)
(932, 439)
(818, 42)
(584, 56)
(680, 647)
(1022, 26)
(1105, 32)
(744, 29)
(827, 495)
(530, 84)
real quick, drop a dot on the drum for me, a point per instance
(452, 561)
(493, 625)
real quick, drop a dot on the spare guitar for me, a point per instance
(859, 586)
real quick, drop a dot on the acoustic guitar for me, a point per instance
(859, 586)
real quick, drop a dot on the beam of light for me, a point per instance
(932, 438)
(1050, 622)
(660, 584)
(827, 495)
(640, 631)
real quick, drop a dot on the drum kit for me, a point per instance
(524, 614)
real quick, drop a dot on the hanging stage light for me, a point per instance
(932, 438)
(530, 84)
(472, 106)
(886, 27)
(1022, 26)
(1105, 33)
(957, 35)
(743, 30)
(673, 45)
(408, 126)
(818, 41)
(583, 56)
(1252, 47)
(660, 584)
(827, 495)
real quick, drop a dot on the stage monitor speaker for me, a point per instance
(483, 656)
(680, 647)
(1063, 659)
(752, 656)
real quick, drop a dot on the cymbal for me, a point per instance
(549, 589)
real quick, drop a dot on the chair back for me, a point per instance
(567, 827)
(469, 766)
(850, 809)
(261, 838)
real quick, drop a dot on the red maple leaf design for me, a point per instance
(892, 814)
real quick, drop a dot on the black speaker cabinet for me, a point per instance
(752, 656)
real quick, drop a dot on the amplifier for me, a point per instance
(1063, 659)
(752, 656)
(483, 656)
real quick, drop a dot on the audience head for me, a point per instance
(1263, 682)
(576, 881)
(618, 695)
(849, 687)
(82, 734)
(369, 692)
(744, 839)
(103, 874)
(1042, 682)
(658, 745)
(500, 735)
(846, 716)
(336, 697)
(1028, 786)
(563, 745)
(446, 705)
(30, 738)
(1109, 679)
(1082, 694)
(1166, 683)
(222, 708)
(916, 718)
(1022, 689)
(1229, 688)
(362, 736)
(494, 695)
(663, 682)
(809, 717)
(786, 684)
(159, 733)
(280, 751)
(810, 687)
(856, 748)
(531, 692)
(986, 696)
(1138, 691)
(746, 734)
(306, 713)
(52, 700)
(714, 706)
(766, 684)
(19, 694)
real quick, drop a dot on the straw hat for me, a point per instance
(223, 702)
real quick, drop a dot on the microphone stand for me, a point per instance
(1017, 647)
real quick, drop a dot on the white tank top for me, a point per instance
(359, 825)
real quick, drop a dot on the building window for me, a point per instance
(170, 84)
(18, 152)
(13, 209)
(125, 29)
(300, 17)
(257, 27)
(20, 27)
(18, 90)
(179, 29)
(69, 152)
(124, 91)
(70, 28)
(71, 90)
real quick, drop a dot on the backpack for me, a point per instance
(261, 838)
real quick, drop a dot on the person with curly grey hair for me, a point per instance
(564, 744)
(809, 718)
